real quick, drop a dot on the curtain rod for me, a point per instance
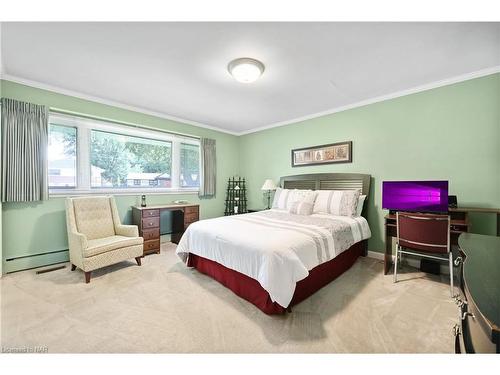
(133, 125)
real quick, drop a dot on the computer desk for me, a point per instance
(459, 224)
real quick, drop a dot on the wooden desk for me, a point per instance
(148, 220)
(459, 224)
(483, 210)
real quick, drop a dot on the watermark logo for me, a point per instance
(25, 349)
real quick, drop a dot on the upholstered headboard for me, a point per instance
(328, 181)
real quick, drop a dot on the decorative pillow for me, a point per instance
(304, 206)
(361, 202)
(283, 198)
(337, 202)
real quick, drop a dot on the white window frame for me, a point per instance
(84, 126)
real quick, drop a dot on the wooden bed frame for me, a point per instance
(318, 277)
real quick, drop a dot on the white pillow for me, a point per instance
(283, 198)
(303, 206)
(361, 202)
(337, 202)
(280, 196)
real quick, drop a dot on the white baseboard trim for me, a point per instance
(376, 255)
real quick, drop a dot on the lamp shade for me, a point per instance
(268, 185)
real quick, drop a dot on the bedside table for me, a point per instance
(256, 210)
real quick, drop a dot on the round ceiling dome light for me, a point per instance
(245, 70)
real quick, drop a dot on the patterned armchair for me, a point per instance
(96, 236)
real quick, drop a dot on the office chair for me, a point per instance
(427, 235)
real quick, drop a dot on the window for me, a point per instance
(62, 157)
(120, 161)
(190, 165)
(117, 158)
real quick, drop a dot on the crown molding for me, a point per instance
(394, 95)
(96, 99)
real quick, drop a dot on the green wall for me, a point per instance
(450, 133)
(33, 228)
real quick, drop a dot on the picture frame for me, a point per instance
(332, 153)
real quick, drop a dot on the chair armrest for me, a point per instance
(127, 230)
(77, 241)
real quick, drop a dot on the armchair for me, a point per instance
(96, 236)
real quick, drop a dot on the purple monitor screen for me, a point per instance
(421, 196)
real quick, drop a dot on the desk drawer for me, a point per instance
(151, 234)
(150, 222)
(190, 218)
(191, 209)
(152, 245)
(150, 213)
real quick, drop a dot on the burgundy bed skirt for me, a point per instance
(252, 291)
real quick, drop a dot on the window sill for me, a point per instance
(72, 193)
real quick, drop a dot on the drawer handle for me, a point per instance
(466, 314)
(460, 302)
(151, 224)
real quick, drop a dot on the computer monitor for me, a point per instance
(415, 196)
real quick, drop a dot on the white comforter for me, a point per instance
(273, 247)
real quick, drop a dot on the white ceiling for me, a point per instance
(179, 69)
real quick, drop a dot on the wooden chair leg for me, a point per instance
(73, 267)
(87, 277)
(138, 260)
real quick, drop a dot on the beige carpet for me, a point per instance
(165, 307)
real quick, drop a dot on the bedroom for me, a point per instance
(250, 180)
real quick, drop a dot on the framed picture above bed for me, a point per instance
(340, 152)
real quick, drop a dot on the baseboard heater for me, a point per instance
(26, 262)
(36, 255)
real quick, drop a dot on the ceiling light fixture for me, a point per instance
(245, 70)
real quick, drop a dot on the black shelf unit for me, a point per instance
(236, 197)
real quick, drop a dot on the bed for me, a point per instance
(275, 259)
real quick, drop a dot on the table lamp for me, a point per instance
(268, 187)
